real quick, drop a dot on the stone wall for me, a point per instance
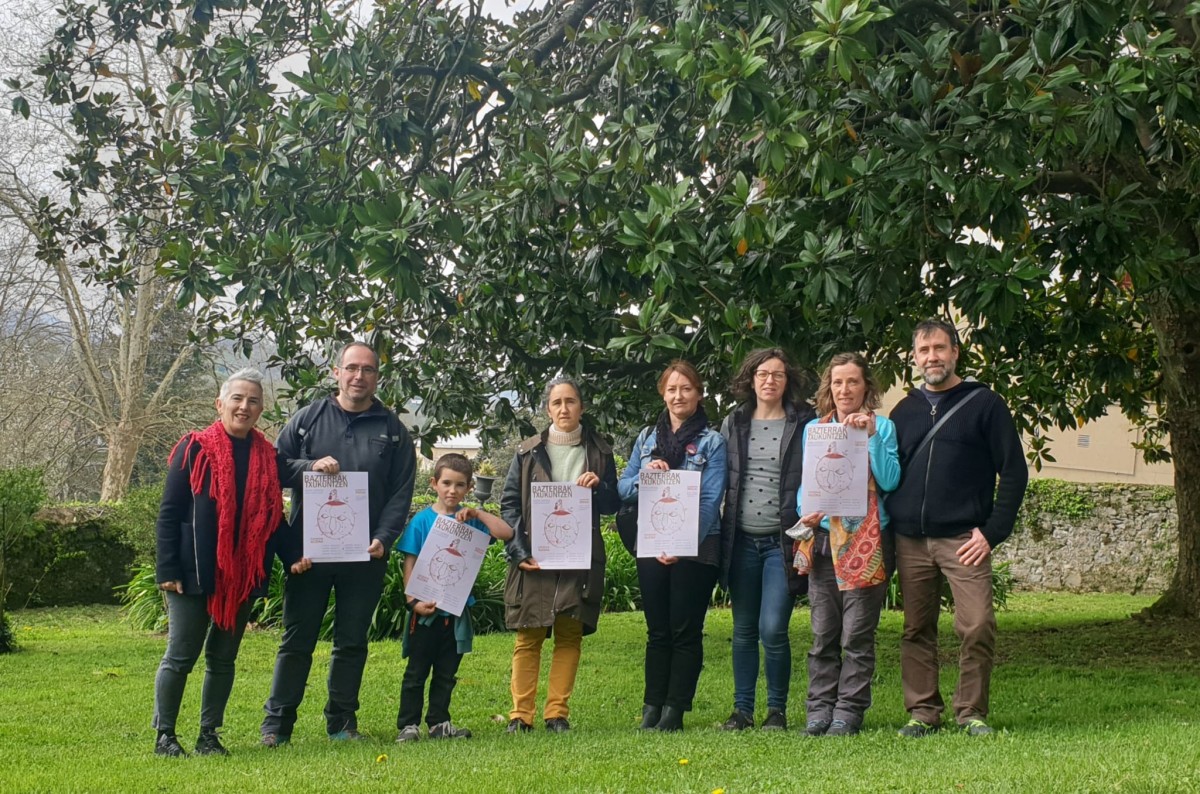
(1094, 537)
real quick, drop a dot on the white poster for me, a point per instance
(835, 471)
(448, 564)
(560, 525)
(337, 517)
(668, 513)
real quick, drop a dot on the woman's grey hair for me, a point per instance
(248, 375)
(560, 381)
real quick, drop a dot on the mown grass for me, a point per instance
(1085, 699)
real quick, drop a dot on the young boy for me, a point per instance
(435, 640)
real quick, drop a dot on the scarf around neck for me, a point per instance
(240, 549)
(671, 445)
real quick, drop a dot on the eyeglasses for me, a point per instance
(355, 369)
(763, 375)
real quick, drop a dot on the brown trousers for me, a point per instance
(922, 563)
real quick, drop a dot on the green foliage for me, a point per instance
(1053, 498)
(622, 592)
(684, 178)
(143, 604)
(134, 519)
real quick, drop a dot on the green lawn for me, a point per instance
(1084, 698)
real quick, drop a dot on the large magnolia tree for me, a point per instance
(604, 184)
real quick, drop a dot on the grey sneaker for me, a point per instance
(842, 728)
(738, 721)
(977, 727)
(558, 725)
(445, 730)
(517, 725)
(409, 733)
(816, 726)
(776, 720)
(915, 729)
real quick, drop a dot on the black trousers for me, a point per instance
(356, 587)
(675, 599)
(430, 648)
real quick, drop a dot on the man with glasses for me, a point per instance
(348, 431)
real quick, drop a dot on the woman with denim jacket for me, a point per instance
(676, 591)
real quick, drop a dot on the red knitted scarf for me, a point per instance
(240, 562)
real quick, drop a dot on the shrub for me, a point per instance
(134, 519)
(22, 492)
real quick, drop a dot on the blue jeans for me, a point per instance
(762, 607)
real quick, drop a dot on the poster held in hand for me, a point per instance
(835, 470)
(560, 525)
(449, 562)
(337, 516)
(668, 513)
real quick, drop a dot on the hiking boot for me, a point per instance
(409, 733)
(842, 728)
(168, 745)
(558, 725)
(915, 729)
(445, 730)
(273, 740)
(776, 720)
(518, 725)
(977, 727)
(209, 743)
(346, 735)
(738, 721)
(816, 726)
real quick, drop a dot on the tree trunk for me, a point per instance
(123, 439)
(1178, 330)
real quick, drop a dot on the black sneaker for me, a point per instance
(518, 725)
(558, 725)
(209, 743)
(842, 728)
(816, 726)
(446, 730)
(915, 729)
(738, 721)
(168, 745)
(776, 720)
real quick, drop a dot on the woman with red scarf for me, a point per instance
(221, 507)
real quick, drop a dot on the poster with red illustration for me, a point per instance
(560, 525)
(337, 517)
(835, 470)
(668, 513)
(448, 564)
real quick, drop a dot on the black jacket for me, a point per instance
(736, 430)
(373, 441)
(951, 487)
(534, 598)
(187, 530)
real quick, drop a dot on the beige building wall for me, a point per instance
(1100, 451)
